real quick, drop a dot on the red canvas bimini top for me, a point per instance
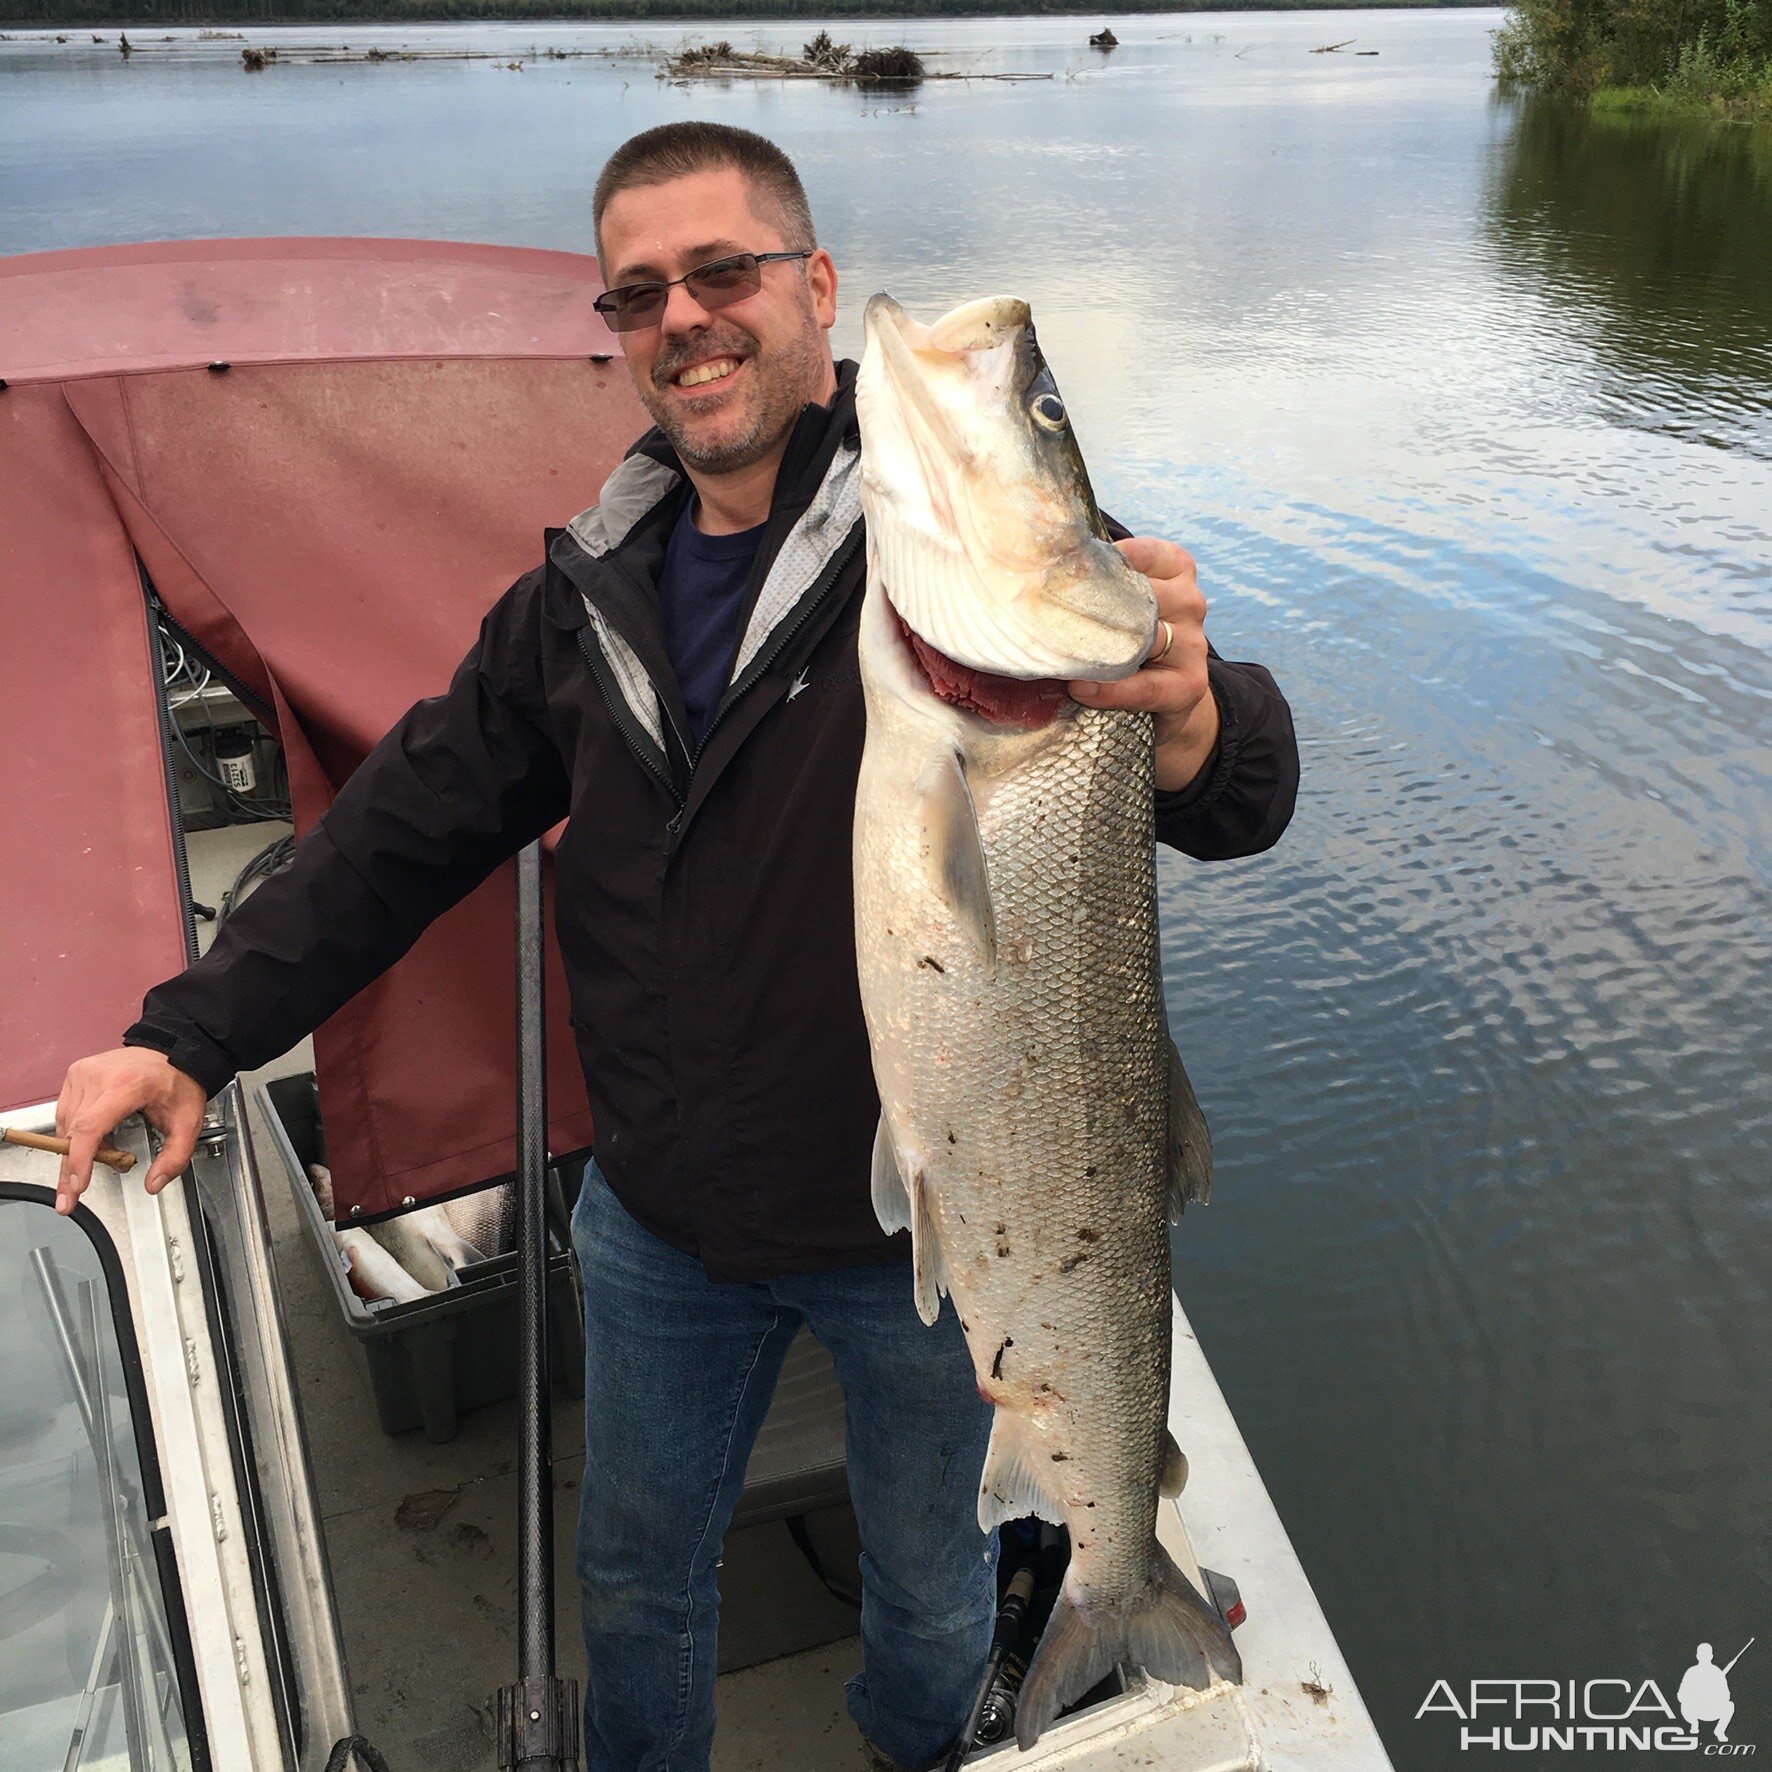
(330, 457)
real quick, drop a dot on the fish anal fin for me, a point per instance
(949, 824)
(1174, 1474)
(929, 1266)
(1010, 1488)
(901, 1202)
(1190, 1143)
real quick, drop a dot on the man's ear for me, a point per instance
(821, 276)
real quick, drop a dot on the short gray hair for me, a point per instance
(675, 150)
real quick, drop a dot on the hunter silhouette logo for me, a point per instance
(1704, 1692)
(1604, 1716)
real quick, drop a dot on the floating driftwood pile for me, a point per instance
(821, 59)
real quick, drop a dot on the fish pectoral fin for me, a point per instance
(1190, 1143)
(949, 823)
(892, 1203)
(1012, 1487)
(1174, 1474)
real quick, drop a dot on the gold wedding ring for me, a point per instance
(1168, 641)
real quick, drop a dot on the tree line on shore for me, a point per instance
(1632, 55)
(295, 12)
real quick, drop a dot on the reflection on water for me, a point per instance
(1465, 410)
(1656, 233)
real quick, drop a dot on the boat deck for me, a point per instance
(422, 1543)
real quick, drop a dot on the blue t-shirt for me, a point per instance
(701, 590)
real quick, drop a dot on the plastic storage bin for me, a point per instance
(451, 1351)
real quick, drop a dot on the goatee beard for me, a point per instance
(723, 458)
(784, 387)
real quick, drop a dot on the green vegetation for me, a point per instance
(58, 13)
(896, 64)
(1640, 57)
(821, 52)
(822, 60)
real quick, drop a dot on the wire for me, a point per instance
(251, 811)
(176, 666)
(359, 1746)
(268, 860)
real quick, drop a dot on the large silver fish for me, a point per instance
(1038, 1133)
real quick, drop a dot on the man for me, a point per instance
(679, 680)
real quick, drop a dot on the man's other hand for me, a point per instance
(101, 1091)
(1174, 686)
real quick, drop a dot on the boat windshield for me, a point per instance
(88, 1674)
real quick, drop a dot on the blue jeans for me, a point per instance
(679, 1370)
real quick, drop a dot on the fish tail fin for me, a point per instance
(1168, 1630)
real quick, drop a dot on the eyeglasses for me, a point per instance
(717, 284)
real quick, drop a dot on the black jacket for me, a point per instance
(703, 903)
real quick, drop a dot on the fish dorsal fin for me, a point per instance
(1190, 1143)
(1011, 1488)
(902, 1203)
(949, 823)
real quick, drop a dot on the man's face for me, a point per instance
(769, 351)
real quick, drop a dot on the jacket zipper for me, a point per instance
(664, 710)
(181, 860)
(624, 718)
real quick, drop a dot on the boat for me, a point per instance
(258, 494)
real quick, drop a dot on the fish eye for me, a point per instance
(1048, 411)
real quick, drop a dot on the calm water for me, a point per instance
(1467, 412)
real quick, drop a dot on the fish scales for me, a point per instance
(1033, 1103)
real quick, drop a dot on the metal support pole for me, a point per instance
(538, 1719)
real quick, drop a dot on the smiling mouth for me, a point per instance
(699, 375)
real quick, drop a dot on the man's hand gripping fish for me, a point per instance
(1038, 1132)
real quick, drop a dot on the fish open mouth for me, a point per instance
(1025, 702)
(981, 523)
